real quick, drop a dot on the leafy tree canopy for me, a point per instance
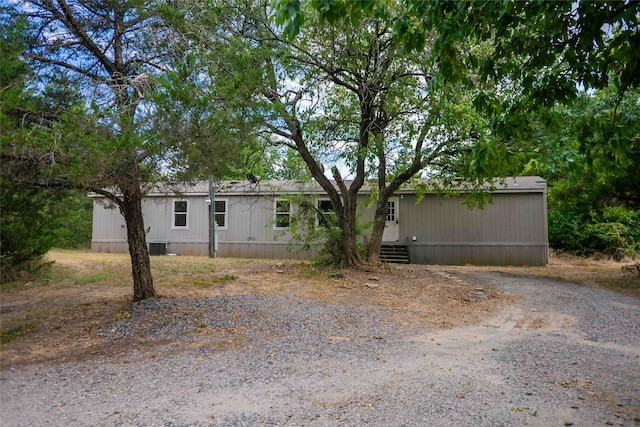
(345, 99)
(589, 151)
(590, 43)
(31, 219)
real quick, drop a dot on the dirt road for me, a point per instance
(557, 355)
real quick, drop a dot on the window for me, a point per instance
(391, 211)
(282, 213)
(180, 214)
(221, 213)
(326, 208)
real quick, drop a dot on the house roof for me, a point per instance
(521, 184)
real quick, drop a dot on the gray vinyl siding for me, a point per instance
(481, 254)
(251, 231)
(248, 233)
(270, 250)
(110, 233)
(108, 224)
(251, 220)
(510, 231)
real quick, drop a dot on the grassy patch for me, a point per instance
(226, 278)
(619, 284)
(307, 271)
(15, 332)
(186, 266)
(122, 314)
(13, 285)
(206, 282)
(99, 276)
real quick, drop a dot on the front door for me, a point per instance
(392, 224)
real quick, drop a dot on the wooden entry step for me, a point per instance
(398, 254)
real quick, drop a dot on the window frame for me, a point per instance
(391, 213)
(174, 213)
(276, 214)
(318, 201)
(225, 213)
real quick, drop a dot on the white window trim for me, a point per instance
(173, 214)
(395, 211)
(226, 214)
(275, 214)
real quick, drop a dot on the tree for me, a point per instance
(355, 102)
(534, 53)
(588, 151)
(111, 52)
(594, 44)
(24, 235)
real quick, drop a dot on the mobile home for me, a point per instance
(252, 221)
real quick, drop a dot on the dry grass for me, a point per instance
(603, 273)
(57, 316)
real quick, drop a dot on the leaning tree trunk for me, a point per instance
(131, 208)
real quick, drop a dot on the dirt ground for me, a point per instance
(56, 318)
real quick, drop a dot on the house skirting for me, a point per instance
(442, 253)
(265, 250)
(479, 253)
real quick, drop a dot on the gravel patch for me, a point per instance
(561, 355)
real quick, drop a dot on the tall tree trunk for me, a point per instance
(379, 220)
(346, 216)
(131, 208)
(350, 255)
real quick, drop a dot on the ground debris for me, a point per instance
(631, 270)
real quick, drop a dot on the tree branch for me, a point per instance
(66, 16)
(66, 65)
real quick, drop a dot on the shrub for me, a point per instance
(70, 224)
(610, 238)
(24, 234)
(615, 231)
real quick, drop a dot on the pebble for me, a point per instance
(242, 360)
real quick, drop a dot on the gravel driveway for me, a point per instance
(561, 355)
